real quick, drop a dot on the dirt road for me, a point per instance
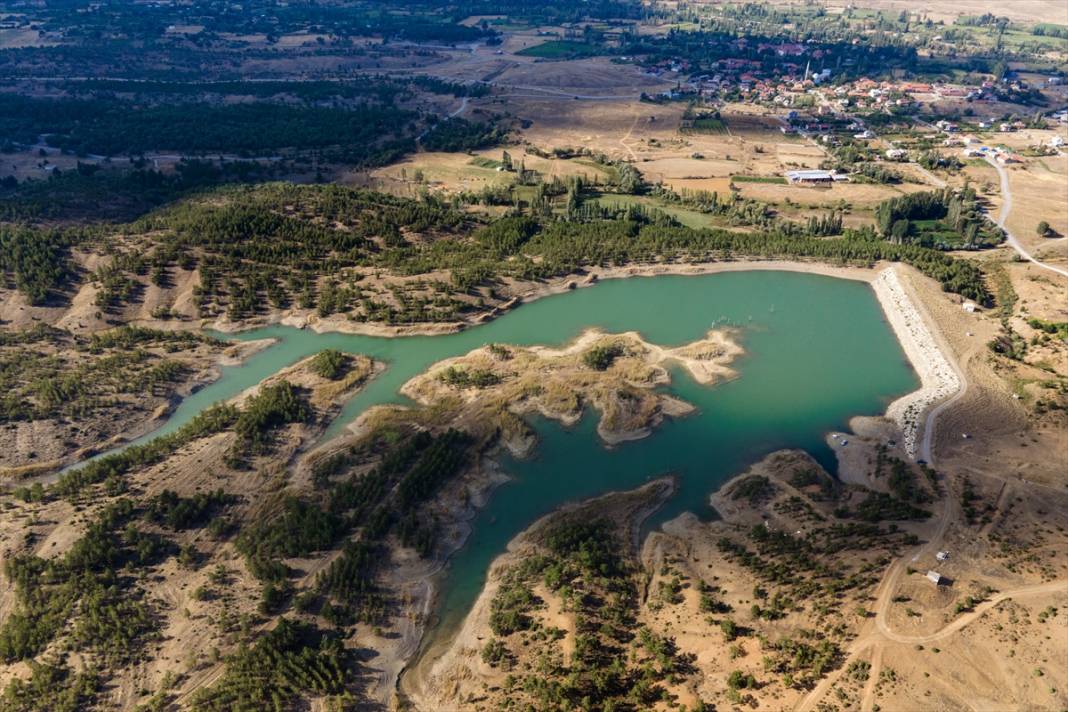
(1003, 216)
(971, 617)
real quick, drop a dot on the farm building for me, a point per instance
(812, 177)
(934, 577)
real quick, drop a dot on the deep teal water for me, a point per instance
(819, 352)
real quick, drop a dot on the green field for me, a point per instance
(690, 218)
(561, 49)
(937, 233)
(483, 162)
(703, 123)
(779, 180)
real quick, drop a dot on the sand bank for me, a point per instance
(936, 372)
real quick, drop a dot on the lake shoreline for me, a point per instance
(424, 587)
(913, 330)
(530, 292)
(918, 335)
(420, 677)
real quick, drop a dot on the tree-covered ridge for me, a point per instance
(271, 244)
(89, 584)
(614, 661)
(283, 245)
(47, 374)
(412, 466)
(112, 622)
(290, 661)
(273, 407)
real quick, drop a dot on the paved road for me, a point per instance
(454, 114)
(1003, 216)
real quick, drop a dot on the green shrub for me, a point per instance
(329, 363)
(599, 358)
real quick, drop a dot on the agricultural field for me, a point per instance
(560, 49)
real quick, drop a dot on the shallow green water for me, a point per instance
(818, 353)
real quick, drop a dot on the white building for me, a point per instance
(810, 176)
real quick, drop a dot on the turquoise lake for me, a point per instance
(818, 352)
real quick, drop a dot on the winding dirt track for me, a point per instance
(1003, 216)
(876, 633)
(875, 641)
(968, 618)
(626, 137)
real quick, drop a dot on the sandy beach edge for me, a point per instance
(939, 377)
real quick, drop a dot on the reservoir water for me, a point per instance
(818, 352)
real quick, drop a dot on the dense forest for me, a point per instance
(120, 194)
(35, 260)
(115, 128)
(272, 244)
